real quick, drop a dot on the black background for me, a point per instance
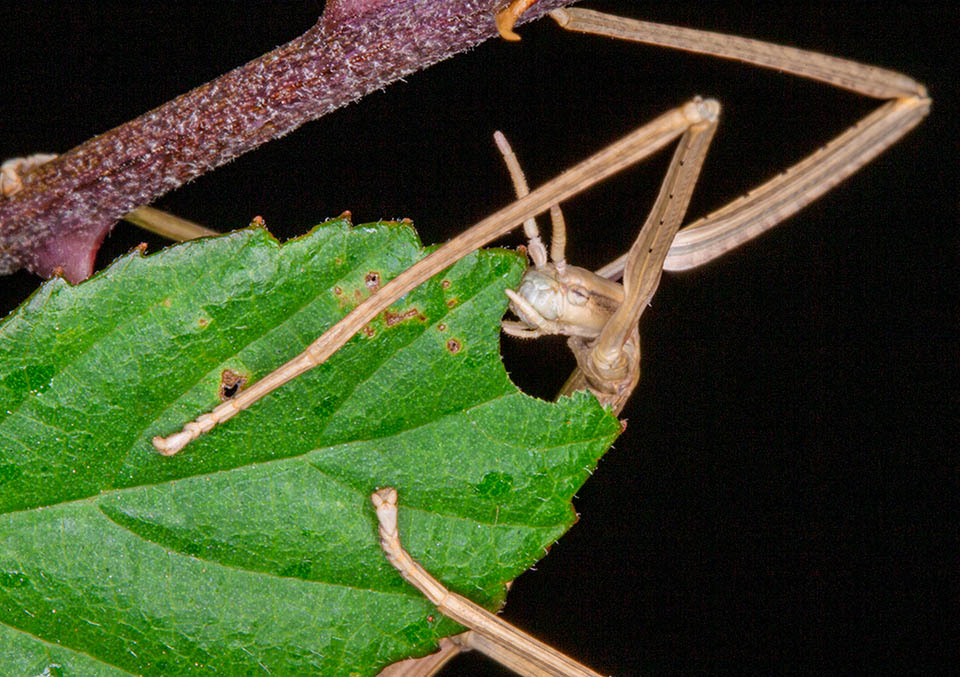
(783, 499)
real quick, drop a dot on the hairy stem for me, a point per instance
(68, 205)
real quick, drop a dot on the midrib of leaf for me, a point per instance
(410, 592)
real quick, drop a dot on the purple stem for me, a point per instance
(67, 207)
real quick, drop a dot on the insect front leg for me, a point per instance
(599, 315)
(611, 364)
(787, 193)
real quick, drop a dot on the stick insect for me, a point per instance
(698, 243)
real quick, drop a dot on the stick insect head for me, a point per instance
(572, 301)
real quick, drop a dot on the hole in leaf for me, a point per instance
(231, 383)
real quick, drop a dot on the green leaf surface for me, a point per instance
(254, 551)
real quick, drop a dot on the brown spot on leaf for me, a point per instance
(454, 346)
(166, 303)
(372, 280)
(445, 284)
(337, 291)
(441, 327)
(231, 383)
(395, 318)
(368, 331)
(203, 322)
(452, 302)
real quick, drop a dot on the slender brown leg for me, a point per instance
(801, 184)
(611, 363)
(491, 634)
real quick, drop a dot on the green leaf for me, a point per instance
(255, 548)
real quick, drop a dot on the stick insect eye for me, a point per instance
(578, 296)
